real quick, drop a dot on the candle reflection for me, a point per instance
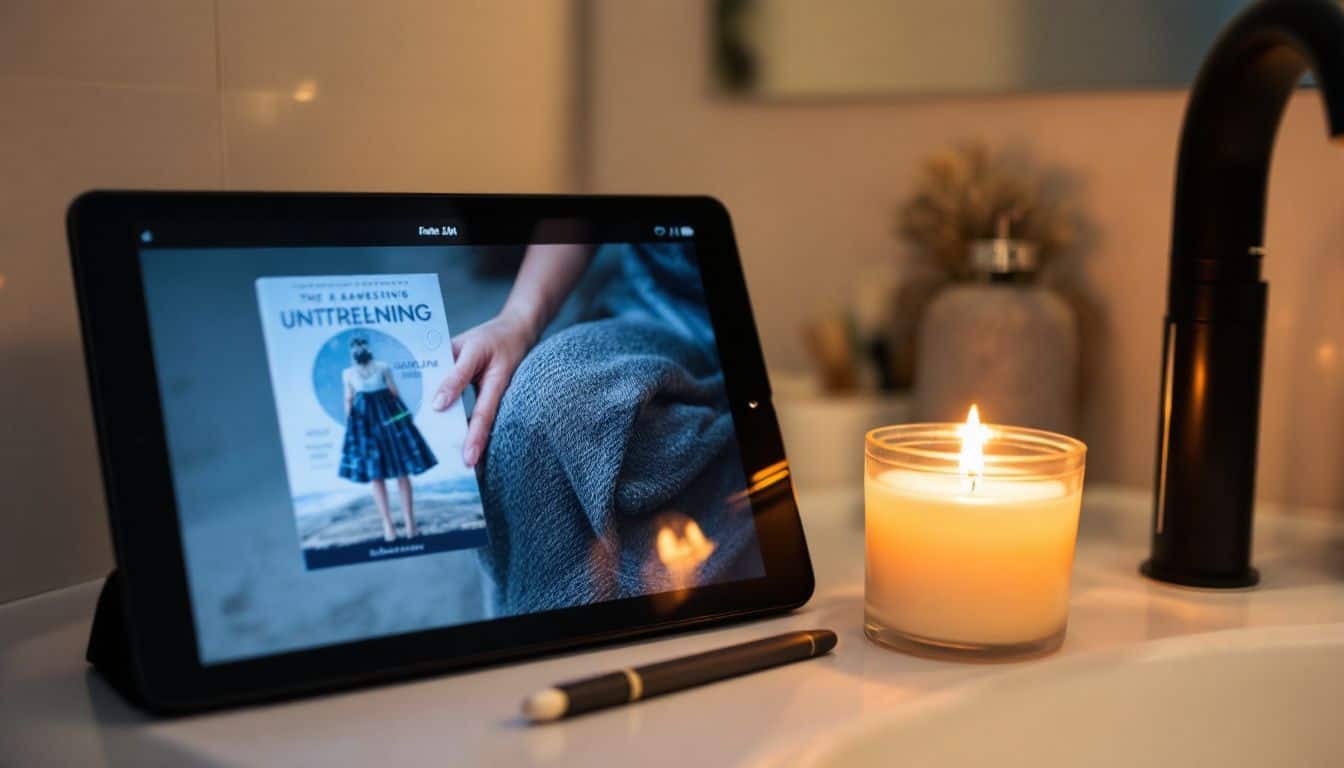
(673, 568)
(683, 553)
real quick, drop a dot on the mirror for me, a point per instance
(874, 48)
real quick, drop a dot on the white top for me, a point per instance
(369, 378)
(55, 711)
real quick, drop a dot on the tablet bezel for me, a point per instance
(103, 229)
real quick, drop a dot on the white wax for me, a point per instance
(985, 566)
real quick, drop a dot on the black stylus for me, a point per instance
(630, 685)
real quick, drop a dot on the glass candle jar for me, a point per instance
(969, 541)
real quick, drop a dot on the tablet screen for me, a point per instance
(374, 440)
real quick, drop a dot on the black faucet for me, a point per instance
(1209, 402)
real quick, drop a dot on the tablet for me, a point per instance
(348, 438)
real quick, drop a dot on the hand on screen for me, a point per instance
(487, 355)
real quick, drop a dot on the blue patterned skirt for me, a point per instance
(381, 441)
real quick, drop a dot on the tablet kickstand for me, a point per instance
(109, 648)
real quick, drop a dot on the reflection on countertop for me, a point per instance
(53, 709)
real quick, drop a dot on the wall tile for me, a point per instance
(57, 140)
(428, 95)
(362, 139)
(129, 42)
(401, 95)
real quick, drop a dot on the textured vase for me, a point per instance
(1010, 348)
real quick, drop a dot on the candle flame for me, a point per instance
(973, 435)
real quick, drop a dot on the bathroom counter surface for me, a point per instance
(54, 710)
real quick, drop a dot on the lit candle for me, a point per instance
(970, 535)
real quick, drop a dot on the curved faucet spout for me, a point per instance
(1230, 122)
(1213, 340)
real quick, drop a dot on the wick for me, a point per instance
(968, 483)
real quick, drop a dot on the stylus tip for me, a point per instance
(546, 705)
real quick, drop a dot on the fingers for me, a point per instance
(483, 416)
(470, 362)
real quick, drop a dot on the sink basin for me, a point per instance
(1256, 697)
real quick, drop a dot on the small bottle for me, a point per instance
(1001, 341)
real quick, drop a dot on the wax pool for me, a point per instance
(988, 567)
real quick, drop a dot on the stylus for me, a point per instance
(632, 684)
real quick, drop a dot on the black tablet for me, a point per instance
(354, 437)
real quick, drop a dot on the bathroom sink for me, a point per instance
(1255, 697)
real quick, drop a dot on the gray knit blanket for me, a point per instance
(613, 429)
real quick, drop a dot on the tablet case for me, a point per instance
(109, 648)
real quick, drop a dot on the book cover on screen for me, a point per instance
(374, 471)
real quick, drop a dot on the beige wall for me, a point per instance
(436, 95)
(813, 188)
(477, 96)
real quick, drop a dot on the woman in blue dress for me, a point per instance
(381, 440)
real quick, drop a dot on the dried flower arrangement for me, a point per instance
(963, 192)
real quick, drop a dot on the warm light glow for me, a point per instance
(1327, 354)
(760, 481)
(305, 91)
(973, 435)
(769, 472)
(685, 551)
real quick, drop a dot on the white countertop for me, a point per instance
(53, 709)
